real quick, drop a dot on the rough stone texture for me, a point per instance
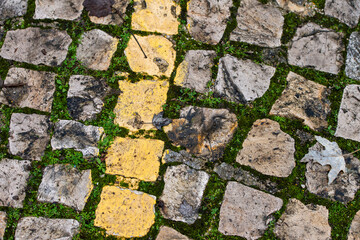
(84, 98)
(305, 8)
(246, 212)
(242, 80)
(347, 11)
(14, 175)
(300, 222)
(36, 46)
(352, 68)
(29, 135)
(36, 90)
(167, 233)
(354, 232)
(159, 51)
(305, 137)
(66, 185)
(258, 24)
(72, 134)
(2, 224)
(204, 132)
(343, 188)
(125, 213)
(114, 18)
(33, 228)
(316, 47)
(225, 171)
(183, 191)
(273, 56)
(139, 102)
(96, 49)
(156, 16)
(268, 150)
(59, 9)
(183, 157)
(12, 8)
(207, 20)
(305, 100)
(135, 158)
(349, 114)
(195, 71)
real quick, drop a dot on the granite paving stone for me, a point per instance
(346, 11)
(12, 8)
(352, 68)
(183, 156)
(59, 9)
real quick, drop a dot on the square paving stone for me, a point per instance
(318, 48)
(47, 46)
(246, 212)
(115, 17)
(66, 185)
(35, 90)
(14, 175)
(258, 24)
(167, 233)
(348, 125)
(2, 224)
(139, 102)
(85, 97)
(346, 11)
(183, 191)
(29, 135)
(159, 51)
(125, 213)
(352, 68)
(305, 100)
(40, 228)
(300, 222)
(72, 134)
(156, 16)
(135, 158)
(96, 49)
(195, 71)
(59, 9)
(12, 8)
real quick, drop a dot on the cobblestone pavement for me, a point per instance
(162, 119)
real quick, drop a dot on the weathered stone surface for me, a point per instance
(300, 222)
(36, 46)
(346, 11)
(135, 158)
(305, 100)
(14, 175)
(29, 135)
(66, 185)
(72, 134)
(207, 19)
(167, 233)
(2, 224)
(246, 212)
(316, 47)
(33, 228)
(242, 80)
(303, 7)
(203, 131)
(348, 117)
(84, 98)
(183, 191)
(273, 56)
(258, 24)
(59, 9)
(125, 213)
(114, 18)
(156, 16)
(305, 137)
(139, 102)
(96, 49)
(354, 231)
(159, 51)
(12, 8)
(268, 150)
(35, 89)
(352, 68)
(183, 157)
(225, 171)
(195, 71)
(345, 185)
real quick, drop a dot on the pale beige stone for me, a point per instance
(167, 233)
(354, 232)
(2, 224)
(58, 9)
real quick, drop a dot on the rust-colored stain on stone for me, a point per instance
(125, 213)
